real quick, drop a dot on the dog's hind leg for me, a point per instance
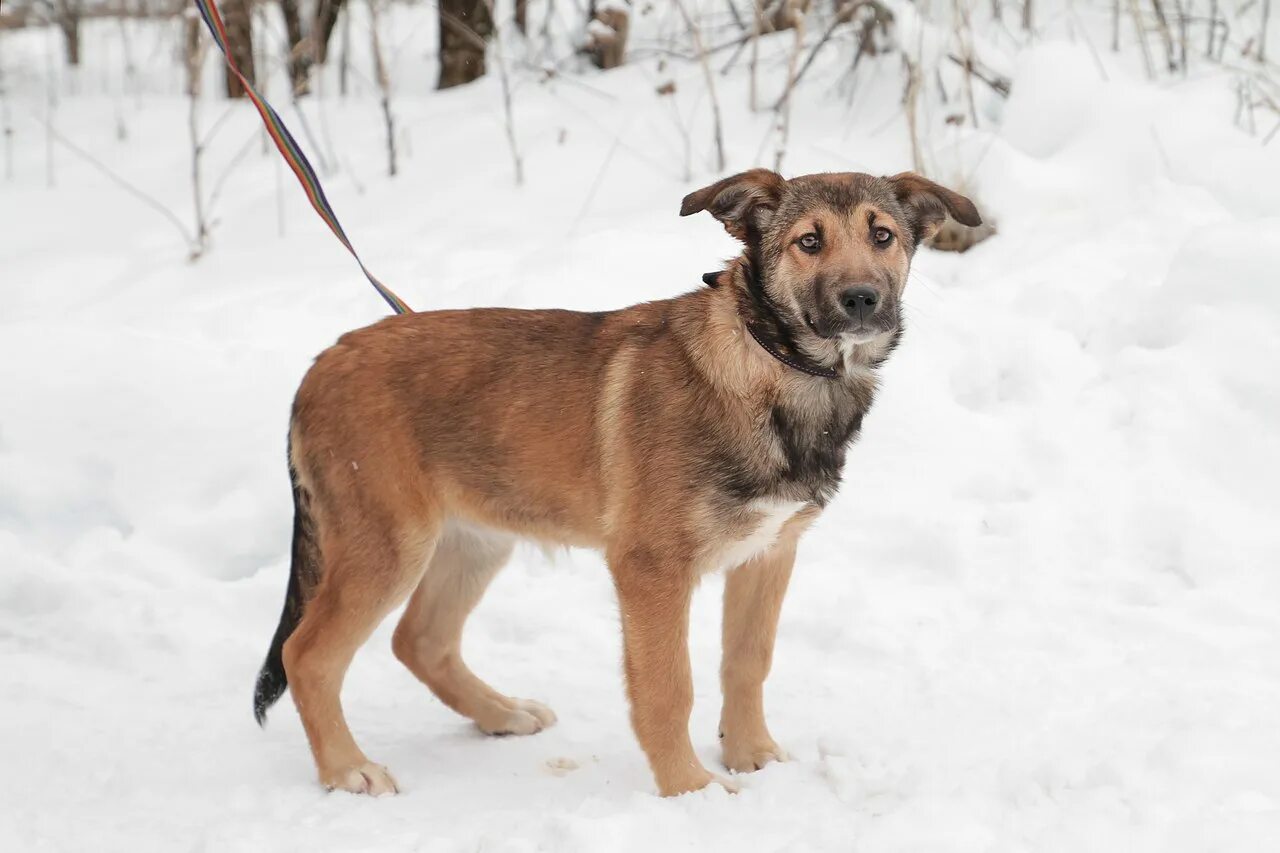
(428, 639)
(365, 578)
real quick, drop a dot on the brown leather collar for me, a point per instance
(768, 332)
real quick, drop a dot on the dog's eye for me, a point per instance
(882, 236)
(810, 243)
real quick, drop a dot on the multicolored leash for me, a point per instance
(293, 155)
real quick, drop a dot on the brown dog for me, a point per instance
(679, 436)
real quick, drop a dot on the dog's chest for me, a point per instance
(752, 531)
(791, 457)
(804, 457)
(812, 451)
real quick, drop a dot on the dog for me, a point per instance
(680, 437)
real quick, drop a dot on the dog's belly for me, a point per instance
(729, 538)
(764, 519)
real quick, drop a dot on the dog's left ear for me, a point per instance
(744, 203)
(928, 204)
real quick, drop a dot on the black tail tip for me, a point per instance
(270, 687)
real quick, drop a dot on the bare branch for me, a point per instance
(1000, 85)
(882, 17)
(116, 179)
(784, 105)
(504, 80)
(696, 34)
(384, 84)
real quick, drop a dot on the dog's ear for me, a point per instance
(928, 204)
(744, 203)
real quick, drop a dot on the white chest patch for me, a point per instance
(772, 515)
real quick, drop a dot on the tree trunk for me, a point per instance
(326, 19)
(522, 17)
(71, 35)
(68, 14)
(235, 14)
(299, 48)
(465, 27)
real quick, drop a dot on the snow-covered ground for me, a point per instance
(1043, 614)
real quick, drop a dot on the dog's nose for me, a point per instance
(859, 302)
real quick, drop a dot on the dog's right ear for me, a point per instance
(743, 203)
(928, 204)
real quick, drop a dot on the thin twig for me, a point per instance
(733, 59)
(784, 106)
(316, 150)
(197, 194)
(737, 18)
(685, 137)
(696, 33)
(966, 44)
(910, 98)
(235, 160)
(344, 55)
(384, 85)
(1213, 27)
(505, 82)
(998, 84)
(1142, 39)
(195, 46)
(117, 180)
(1084, 32)
(1262, 35)
(6, 119)
(217, 125)
(844, 14)
(1166, 35)
(50, 106)
(757, 26)
(595, 184)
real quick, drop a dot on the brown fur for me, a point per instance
(662, 434)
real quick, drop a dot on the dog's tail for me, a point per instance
(304, 572)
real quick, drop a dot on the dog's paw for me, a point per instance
(696, 781)
(749, 756)
(368, 778)
(545, 716)
(527, 717)
(728, 784)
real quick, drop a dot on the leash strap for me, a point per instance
(292, 154)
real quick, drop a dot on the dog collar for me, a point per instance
(769, 342)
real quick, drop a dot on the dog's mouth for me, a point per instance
(863, 334)
(824, 327)
(845, 329)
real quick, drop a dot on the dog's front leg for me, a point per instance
(654, 595)
(753, 595)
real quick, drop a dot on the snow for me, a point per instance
(1043, 613)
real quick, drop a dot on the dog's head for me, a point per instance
(831, 252)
